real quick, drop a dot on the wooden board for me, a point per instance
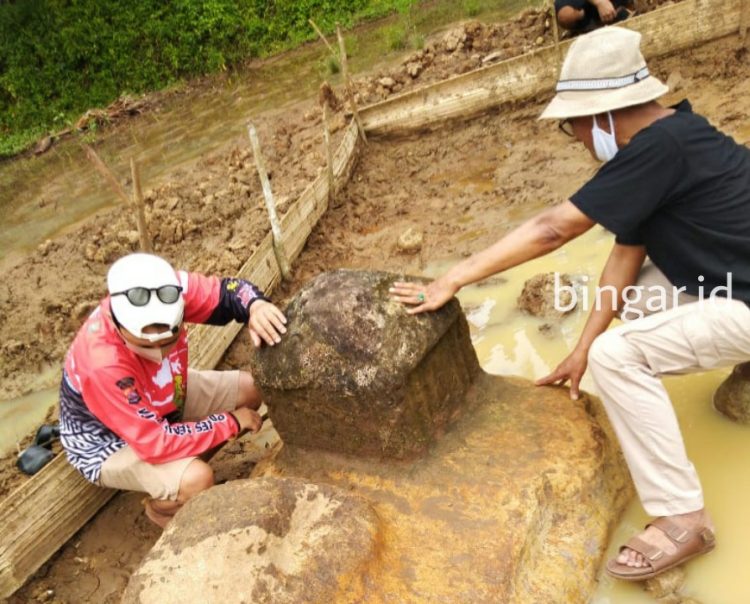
(41, 515)
(208, 343)
(666, 30)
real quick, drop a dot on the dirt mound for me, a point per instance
(471, 45)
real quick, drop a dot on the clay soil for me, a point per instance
(462, 186)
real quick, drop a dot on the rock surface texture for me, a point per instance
(271, 540)
(538, 296)
(732, 397)
(356, 374)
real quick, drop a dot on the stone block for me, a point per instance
(356, 374)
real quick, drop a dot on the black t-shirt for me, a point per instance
(681, 188)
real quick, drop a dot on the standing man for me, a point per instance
(676, 189)
(132, 415)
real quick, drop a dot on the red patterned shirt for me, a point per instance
(112, 397)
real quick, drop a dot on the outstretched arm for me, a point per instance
(536, 237)
(621, 270)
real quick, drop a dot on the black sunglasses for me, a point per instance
(566, 127)
(140, 296)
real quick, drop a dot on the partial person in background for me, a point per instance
(581, 16)
(677, 190)
(132, 415)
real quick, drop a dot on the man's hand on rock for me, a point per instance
(266, 323)
(248, 419)
(572, 368)
(422, 297)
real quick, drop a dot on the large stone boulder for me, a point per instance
(356, 374)
(732, 397)
(271, 540)
(514, 504)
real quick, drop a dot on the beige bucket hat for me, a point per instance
(603, 70)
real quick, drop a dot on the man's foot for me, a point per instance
(158, 513)
(666, 542)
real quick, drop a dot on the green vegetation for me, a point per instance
(472, 7)
(62, 57)
(59, 58)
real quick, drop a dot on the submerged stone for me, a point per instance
(540, 298)
(732, 398)
(356, 374)
(277, 540)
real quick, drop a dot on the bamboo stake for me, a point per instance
(106, 173)
(555, 30)
(329, 156)
(278, 244)
(348, 85)
(140, 212)
(325, 41)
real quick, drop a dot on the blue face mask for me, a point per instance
(605, 145)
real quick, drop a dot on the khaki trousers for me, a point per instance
(626, 364)
(207, 392)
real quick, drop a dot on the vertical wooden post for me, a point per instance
(329, 155)
(106, 173)
(744, 18)
(348, 85)
(278, 244)
(322, 37)
(140, 213)
(555, 30)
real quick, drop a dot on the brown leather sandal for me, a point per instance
(689, 545)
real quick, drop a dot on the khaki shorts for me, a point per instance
(207, 392)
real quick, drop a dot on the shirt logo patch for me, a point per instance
(127, 385)
(179, 393)
(245, 294)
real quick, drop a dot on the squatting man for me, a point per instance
(132, 415)
(673, 189)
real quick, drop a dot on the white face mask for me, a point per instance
(154, 355)
(605, 145)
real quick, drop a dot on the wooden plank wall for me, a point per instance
(48, 509)
(666, 30)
